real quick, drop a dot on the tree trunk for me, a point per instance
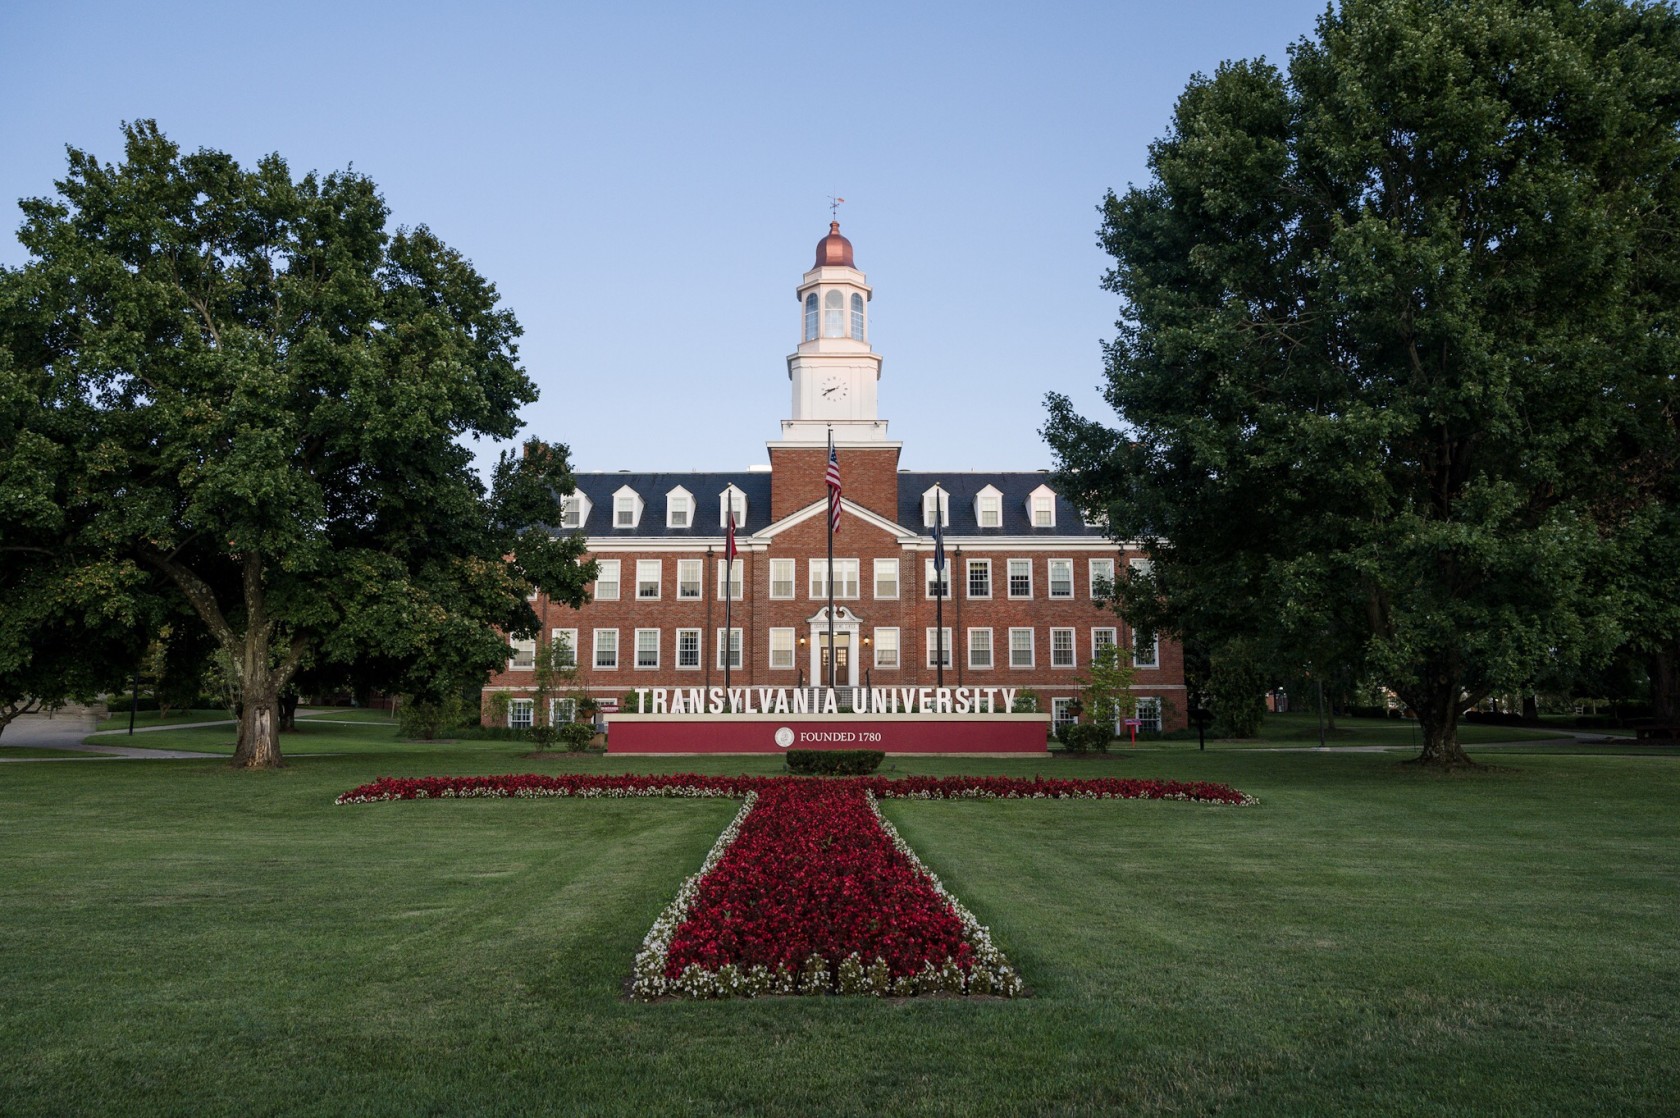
(259, 727)
(1665, 685)
(1436, 706)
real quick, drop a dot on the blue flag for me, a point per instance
(938, 545)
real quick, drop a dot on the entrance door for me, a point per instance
(842, 657)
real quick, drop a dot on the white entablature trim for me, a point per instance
(820, 508)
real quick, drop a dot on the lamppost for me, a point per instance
(957, 598)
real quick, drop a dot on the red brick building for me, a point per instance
(1020, 605)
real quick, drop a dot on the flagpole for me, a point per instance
(830, 518)
(939, 588)
(728, 633)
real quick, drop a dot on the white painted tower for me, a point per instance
(834, 372)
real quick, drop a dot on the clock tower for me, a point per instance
(834, 373)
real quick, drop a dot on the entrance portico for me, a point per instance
(846, 627)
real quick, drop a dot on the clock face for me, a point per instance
(832, 388)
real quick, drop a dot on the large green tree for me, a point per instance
(1392, 338)
(252, 397)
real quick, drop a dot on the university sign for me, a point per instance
(824, 700)
(721, 731)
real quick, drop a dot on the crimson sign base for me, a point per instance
(777, 733)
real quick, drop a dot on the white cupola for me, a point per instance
(834, 372)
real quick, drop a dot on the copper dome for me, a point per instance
(834, 251)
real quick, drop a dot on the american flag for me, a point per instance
(833, 489)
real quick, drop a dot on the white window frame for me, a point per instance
(555, 636)
(521, 714)
(887, 653)
(604, 567)
(782, 658)
(1102, 570)
(857, 317)
(974, 565)
(679, 508)
(691, 574)
(834, 314)
(1041, 507)
(627, 508)
(731, 493)
(933, 647)
(524, 658)
(644, 646)
(1097, 642)
(784, 573)
(886, 565)
(561, 711)
(1031, 649)
(944, 498)
(1146, 656)
(643, 582)
(1051, 566)
(1072, 650)
(846, 579)
(694, 636)
(988, 504)
(1061, 711)
(1148, 714)
(1010, 568)
(574, 510)
(735, 574)
(929, 582)
(739, 649)
(596, 649)
(980, 641)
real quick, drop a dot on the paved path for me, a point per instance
(67, 734)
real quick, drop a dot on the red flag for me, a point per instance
(729, 548)
(833, 489)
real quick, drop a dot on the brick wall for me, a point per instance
(868, 476)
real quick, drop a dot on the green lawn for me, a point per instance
(118, 719)
(182, 938)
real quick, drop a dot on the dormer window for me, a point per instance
(574, 510)
(834, 309)
(679, 508)
(988, 508)
(811, 317)
(730, 498)
(1041, 507)
(943, 499)
(627, 508)
(857, 317)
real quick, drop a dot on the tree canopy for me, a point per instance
(1398, 329)
(240, 391)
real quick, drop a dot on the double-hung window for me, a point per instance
(688, 649)
(1149, 714)
(729, 648)
(845, 578)
(886, 648)
(606, 650)
(1061, 648)
(647, 579)
(1101, 639)
(979, 578)
(1020, 648)
(735, 573)
(565, 646)
(1102, 578)
(1146, 650)
(524, 656)
(606, 580)
(1061, 578)
(1020, 578)
(886, 578)
(781, 649)
(980, 648)
(647, 649)
(938, 582)
(690, 580)
(520, 712)
(781, 578)
(939, 641)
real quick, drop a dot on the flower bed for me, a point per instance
(690, 786)
(809, 890)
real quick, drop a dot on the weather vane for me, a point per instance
(834, 207)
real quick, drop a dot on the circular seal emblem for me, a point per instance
(784, 736)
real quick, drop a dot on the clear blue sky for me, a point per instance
(645, 183)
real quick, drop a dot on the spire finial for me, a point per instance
(834, 201)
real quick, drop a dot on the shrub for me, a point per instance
(574, 737)
(834, 762)
(425, 719)
(1086, 737)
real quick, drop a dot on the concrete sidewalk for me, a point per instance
(67, 732)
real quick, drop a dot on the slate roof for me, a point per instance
(707, 487)
(964, 487)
